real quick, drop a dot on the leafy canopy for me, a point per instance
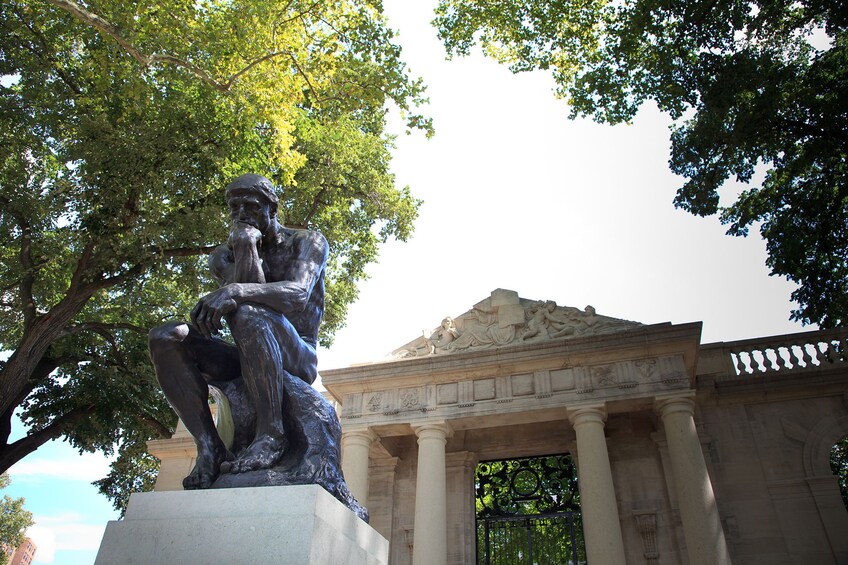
(750, 85)
(120, 125)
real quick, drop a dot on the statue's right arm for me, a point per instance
(222, 265)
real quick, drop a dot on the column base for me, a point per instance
(297, 525)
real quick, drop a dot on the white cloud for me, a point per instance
(45, 543)
(89, 467)
(64, 532)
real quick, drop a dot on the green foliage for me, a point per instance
(120, 125)
(839, 466)
(751, 85)
(135, 470)
(14, 520)
(528, 505)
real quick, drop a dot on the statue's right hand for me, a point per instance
(207, 315)
(244, 234)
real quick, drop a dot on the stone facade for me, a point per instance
(686, 453)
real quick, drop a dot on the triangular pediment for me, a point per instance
(506, 319)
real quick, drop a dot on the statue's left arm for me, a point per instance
(305, 262)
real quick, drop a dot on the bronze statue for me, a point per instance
(272, 300)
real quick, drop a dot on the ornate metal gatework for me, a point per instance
(528, 511)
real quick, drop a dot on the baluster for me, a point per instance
(772, 355)
(755, 365)
(737, 363)
(784, 361)
(805, 356)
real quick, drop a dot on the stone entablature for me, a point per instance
(630, 366)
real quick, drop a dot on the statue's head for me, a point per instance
(254, 185)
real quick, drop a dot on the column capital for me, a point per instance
(585, 414)
(670, 404)
(439, 429)
(359, 436)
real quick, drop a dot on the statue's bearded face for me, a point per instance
(250, 209)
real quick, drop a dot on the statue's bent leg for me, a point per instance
(268, 346)
(185, 362)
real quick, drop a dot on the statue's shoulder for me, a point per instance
(306, 238)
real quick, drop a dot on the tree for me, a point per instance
(14, 520)
(120, 124)
(751, 86)
(839, 466)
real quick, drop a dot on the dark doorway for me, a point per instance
(528, 511)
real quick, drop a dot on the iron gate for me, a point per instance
(528, 511)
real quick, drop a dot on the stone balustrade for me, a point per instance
(789, 352)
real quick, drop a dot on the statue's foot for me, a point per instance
(207, 468)
(263, 453)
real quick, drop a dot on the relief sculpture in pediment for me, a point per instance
(506, 319)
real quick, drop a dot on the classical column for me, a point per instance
(355, 447)
(430, 538)
(705, 541)
(601, 525)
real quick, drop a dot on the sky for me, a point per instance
(516, 196)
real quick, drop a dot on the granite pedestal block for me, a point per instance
(296, 525)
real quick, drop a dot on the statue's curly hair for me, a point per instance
(254, 184)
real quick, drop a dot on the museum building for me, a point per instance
(526, 432)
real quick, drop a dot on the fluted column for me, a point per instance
(601, 525)
(705, 542)
(355, 447)
(429, 545)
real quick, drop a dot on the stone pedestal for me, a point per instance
(297, 525)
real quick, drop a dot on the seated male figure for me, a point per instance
(272, 299)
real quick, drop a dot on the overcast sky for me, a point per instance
(515, 196)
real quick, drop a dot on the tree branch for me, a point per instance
(14, 452)
(28, 279)
(111, 30)
(41, 371)
(100, 326)
(82, 264)
(159, 428)
(316, 202)
(305, 77)
(187, 251)
(48, 57)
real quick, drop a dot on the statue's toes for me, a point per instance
(199, 480)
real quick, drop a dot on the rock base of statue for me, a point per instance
(297, 525)
(313, 432)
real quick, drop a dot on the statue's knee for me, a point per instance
(167, 335)
(246, 317)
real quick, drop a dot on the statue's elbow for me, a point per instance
(299, 300)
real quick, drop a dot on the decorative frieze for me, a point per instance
(564, 385)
